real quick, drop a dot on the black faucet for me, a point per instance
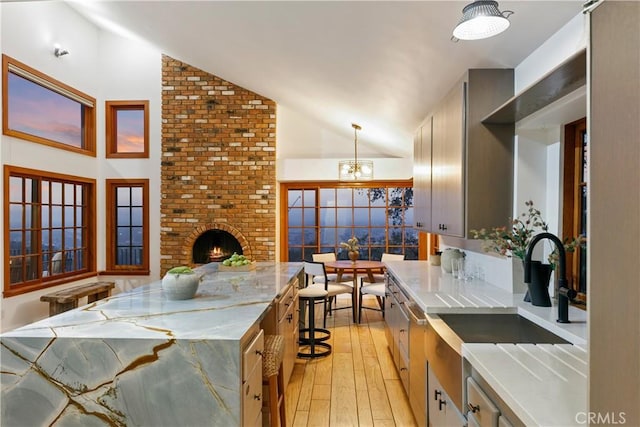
(564, 293)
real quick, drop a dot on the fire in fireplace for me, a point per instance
(215, 246)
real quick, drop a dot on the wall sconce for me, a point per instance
(59, 51)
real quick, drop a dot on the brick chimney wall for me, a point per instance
(218, 164)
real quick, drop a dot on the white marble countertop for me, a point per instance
(543, 384)
(225, 307)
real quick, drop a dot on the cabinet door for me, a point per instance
(447, 172)
(442, 411)
(422, 177)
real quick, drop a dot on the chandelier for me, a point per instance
(355, 170)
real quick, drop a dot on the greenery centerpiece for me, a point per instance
(353, 247)
(513, 241)
(180, 283)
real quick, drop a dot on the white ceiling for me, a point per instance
(380, 64)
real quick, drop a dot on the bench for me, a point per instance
(67, 299)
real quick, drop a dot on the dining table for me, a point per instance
(362, 267)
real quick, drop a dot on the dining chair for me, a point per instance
(378, 288)
(328, 257)
(379, 277)
(317, 269)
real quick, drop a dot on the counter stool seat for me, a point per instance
(273, 376)
(308, 339)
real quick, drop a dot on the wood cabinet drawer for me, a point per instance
(252, 356)
(252, 398)
(480, 406)
(285, 302)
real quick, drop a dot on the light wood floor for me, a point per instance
(357, 385)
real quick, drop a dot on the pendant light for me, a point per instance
(480, 20)
(355, 170)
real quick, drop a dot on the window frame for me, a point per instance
(111, 125)
(89, 218)
(111, 187)
(573, 185)
(319, 185)
(89, 107)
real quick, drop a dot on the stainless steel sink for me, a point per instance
(498, 328)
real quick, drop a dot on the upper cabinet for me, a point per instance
(467, 166)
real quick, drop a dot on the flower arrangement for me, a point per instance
(352, 245)
(513, 242)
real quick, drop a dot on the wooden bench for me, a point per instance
(67, 299)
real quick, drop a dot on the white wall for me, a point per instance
(107, 68)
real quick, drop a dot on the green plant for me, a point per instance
(183, 269)
(513, 242)
(352, 245)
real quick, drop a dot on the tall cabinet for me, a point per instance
(464, 168)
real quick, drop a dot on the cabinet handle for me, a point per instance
(257, 397)
(290, 317)
(402, 331)
(391, 305)
(442, 403)
(473, 408)
(437, 394)
(259, 353)
(403, 369)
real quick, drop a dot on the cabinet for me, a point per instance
(397, 330)
(282, 319)
(252, 381)
(468, 170)
(422, 176)
(442, 411)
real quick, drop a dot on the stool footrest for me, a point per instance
(314, 351)
(307, 340)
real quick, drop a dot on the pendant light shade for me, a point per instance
(355, 170)
(480, 20)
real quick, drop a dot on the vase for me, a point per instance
(353, 256)
(447, 256)
(538, 288)
(180, 286)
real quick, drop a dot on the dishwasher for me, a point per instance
(417, 363)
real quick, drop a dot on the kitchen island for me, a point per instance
(538, 384)
(137, 358)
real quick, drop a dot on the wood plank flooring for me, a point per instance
(357, 385)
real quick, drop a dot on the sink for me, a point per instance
(499, 328)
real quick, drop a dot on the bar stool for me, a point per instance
(273, 376)
(312, 295)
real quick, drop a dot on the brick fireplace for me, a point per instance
(218, 165)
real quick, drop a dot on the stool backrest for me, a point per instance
(312, 269)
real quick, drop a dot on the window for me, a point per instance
(320, 216)
(574, 221)
(128, 226)
(40, 109)
(49, 229)
(127, 124)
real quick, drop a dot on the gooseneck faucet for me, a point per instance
(564, 293)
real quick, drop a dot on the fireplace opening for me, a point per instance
(215, 246)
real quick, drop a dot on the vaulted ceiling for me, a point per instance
(380, 64)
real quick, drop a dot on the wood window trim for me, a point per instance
(572, 165)
(285, 186)
(111, 125)
(89, 111)
(89, 218)
(111, 267)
